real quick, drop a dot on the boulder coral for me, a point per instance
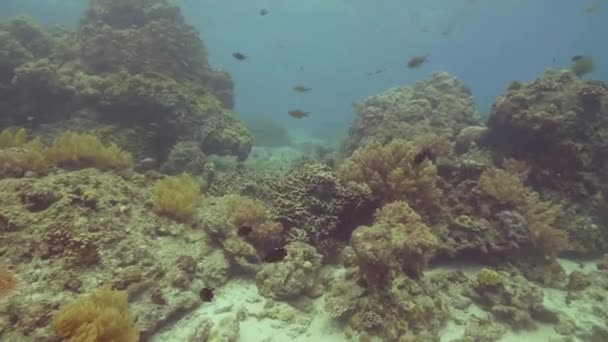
(398, 242)
(441, 105)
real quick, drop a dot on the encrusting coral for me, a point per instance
(102, 315)
(176, 196)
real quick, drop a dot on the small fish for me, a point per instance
(300, 88)
(298, 114)
(577, 58)
(147, 161)
(240, 56)
(416, 62)
(423, 155)
(594, 7)
(245, 230)
(276, 255)
(264, 11)
(206, 294)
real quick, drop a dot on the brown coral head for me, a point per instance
(8, 283)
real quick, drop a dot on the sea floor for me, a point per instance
(254, 318)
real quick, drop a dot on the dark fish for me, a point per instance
(239, 56)
(423, 155)
(416, 62)
(577, 58)
(300, 88)
(594, 7)
(206, 294)
(298, 114)
(264, 11)
(245, 230)
(276, 255)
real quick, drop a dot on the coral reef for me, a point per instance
(295, 275)
(441, 105)
(142, 74)
(312, 198)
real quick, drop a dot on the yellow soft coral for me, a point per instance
(176, 196)
(245, 211)
(10, 139)
(102, 315)
(73, 150)
(394, 172)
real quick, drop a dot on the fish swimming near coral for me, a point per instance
(298, 114)
(206, 294)
(239, 56)
(245, 230)
(300, 88)
(275, 255)
(423, 155)
(417, 62)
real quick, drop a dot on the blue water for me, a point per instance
(332, 45)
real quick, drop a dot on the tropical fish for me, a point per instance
(276, 255)
(264, 11)
(298, 114)
(206, 294)
(416, 62)
(240, 56)
(594, 7)
(245, 230)
(300, 88)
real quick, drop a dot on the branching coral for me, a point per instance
(508, 192)
(102, 315)
(395, 172)
(176, 196)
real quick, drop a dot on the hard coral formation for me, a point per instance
(312, 198)
(398, 242)
(295, 275)
(103, 315)
(441, 105)
(145, 67)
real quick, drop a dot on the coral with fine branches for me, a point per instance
(540, 216)
(393, 172)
